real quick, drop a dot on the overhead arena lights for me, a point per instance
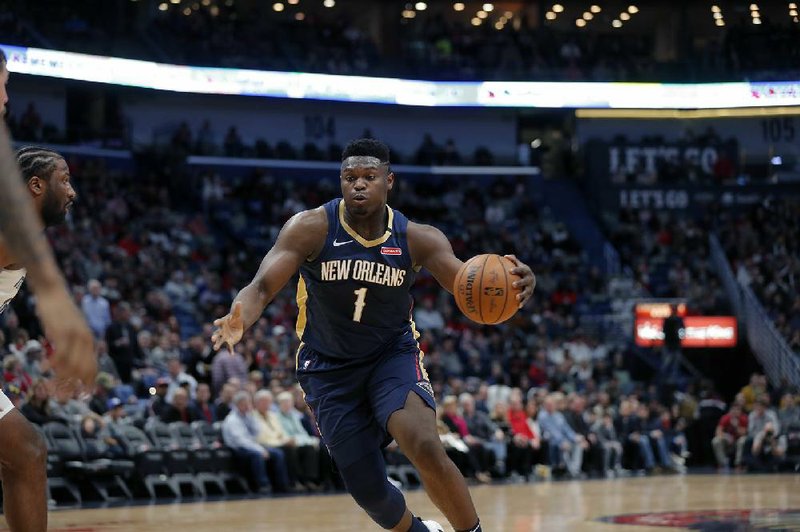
(503, 20)
(585, 18)
(793, 13)
(459, 6)
(716, 14)
(755, 15)
(624, 16)
(552, 14)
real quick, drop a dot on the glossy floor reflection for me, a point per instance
(548, 507)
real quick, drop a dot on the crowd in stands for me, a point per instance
(763, 246)
(435, 45)
(668, 255)
(538, 396)
(759, 430)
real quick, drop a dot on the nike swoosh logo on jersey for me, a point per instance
(337, 244)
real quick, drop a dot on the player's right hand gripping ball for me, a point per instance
(484, 289)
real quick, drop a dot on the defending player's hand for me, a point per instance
(230, 328)
(526, 284)
(65, 327)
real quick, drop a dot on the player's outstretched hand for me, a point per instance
(526, 284)
(230, 328)
(65, 327)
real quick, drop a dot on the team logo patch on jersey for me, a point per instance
(391, 251)
(425, 385)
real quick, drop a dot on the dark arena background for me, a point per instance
(643, 158)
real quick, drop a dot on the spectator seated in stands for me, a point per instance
(98, 438)
(481, 457)
(202, 404)
(37, 407)
(603, 428)
(224, 403)
(483, 430)
(566, 447)
(158, 403)
(576, 417)
(301, 460)
(179, 409)
(240, 432)
(178, 378)
(732, 427)
(763, 427)
(66, 406)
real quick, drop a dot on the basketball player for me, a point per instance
(23, 454)
(359, 362)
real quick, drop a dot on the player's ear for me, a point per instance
(36, 185)
(389, 180)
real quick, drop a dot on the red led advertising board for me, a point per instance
(700, 331)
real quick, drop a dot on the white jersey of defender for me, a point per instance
(10, 281)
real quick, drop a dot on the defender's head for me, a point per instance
(47, 176)
(366, 178)
(3, 82)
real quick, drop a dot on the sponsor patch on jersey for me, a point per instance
(391, 251)
(714, 520)
(425, 385)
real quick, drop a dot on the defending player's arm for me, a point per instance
(23, 235)
(431, 250)
(300, 239)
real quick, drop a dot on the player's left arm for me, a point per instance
(431, 250)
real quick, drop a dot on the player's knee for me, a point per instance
(30, 455)
(35, 451)
(426, 453)
(370, 492)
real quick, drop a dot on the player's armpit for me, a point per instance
(430, 249)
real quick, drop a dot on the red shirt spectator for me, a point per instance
(734, 424)
(518, 420)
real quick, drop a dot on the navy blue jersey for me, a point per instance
(354, 297)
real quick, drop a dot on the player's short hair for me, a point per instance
(367, 148)
(37, 161)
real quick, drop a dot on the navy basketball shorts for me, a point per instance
(352, 400)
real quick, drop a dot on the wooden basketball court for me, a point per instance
(542, 506)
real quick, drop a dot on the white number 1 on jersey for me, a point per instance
(361, 302)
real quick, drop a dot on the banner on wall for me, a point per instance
(637, 161)
(699, 331)
(300, 85)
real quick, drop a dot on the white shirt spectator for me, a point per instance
(239, 431)
(96, 309)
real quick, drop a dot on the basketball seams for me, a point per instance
(495, 318)
(482, 268)
(507, 289)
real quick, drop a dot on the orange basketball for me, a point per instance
(484, 291)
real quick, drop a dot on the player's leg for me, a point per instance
(414, 428)
(23, 463)
(338, 398)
